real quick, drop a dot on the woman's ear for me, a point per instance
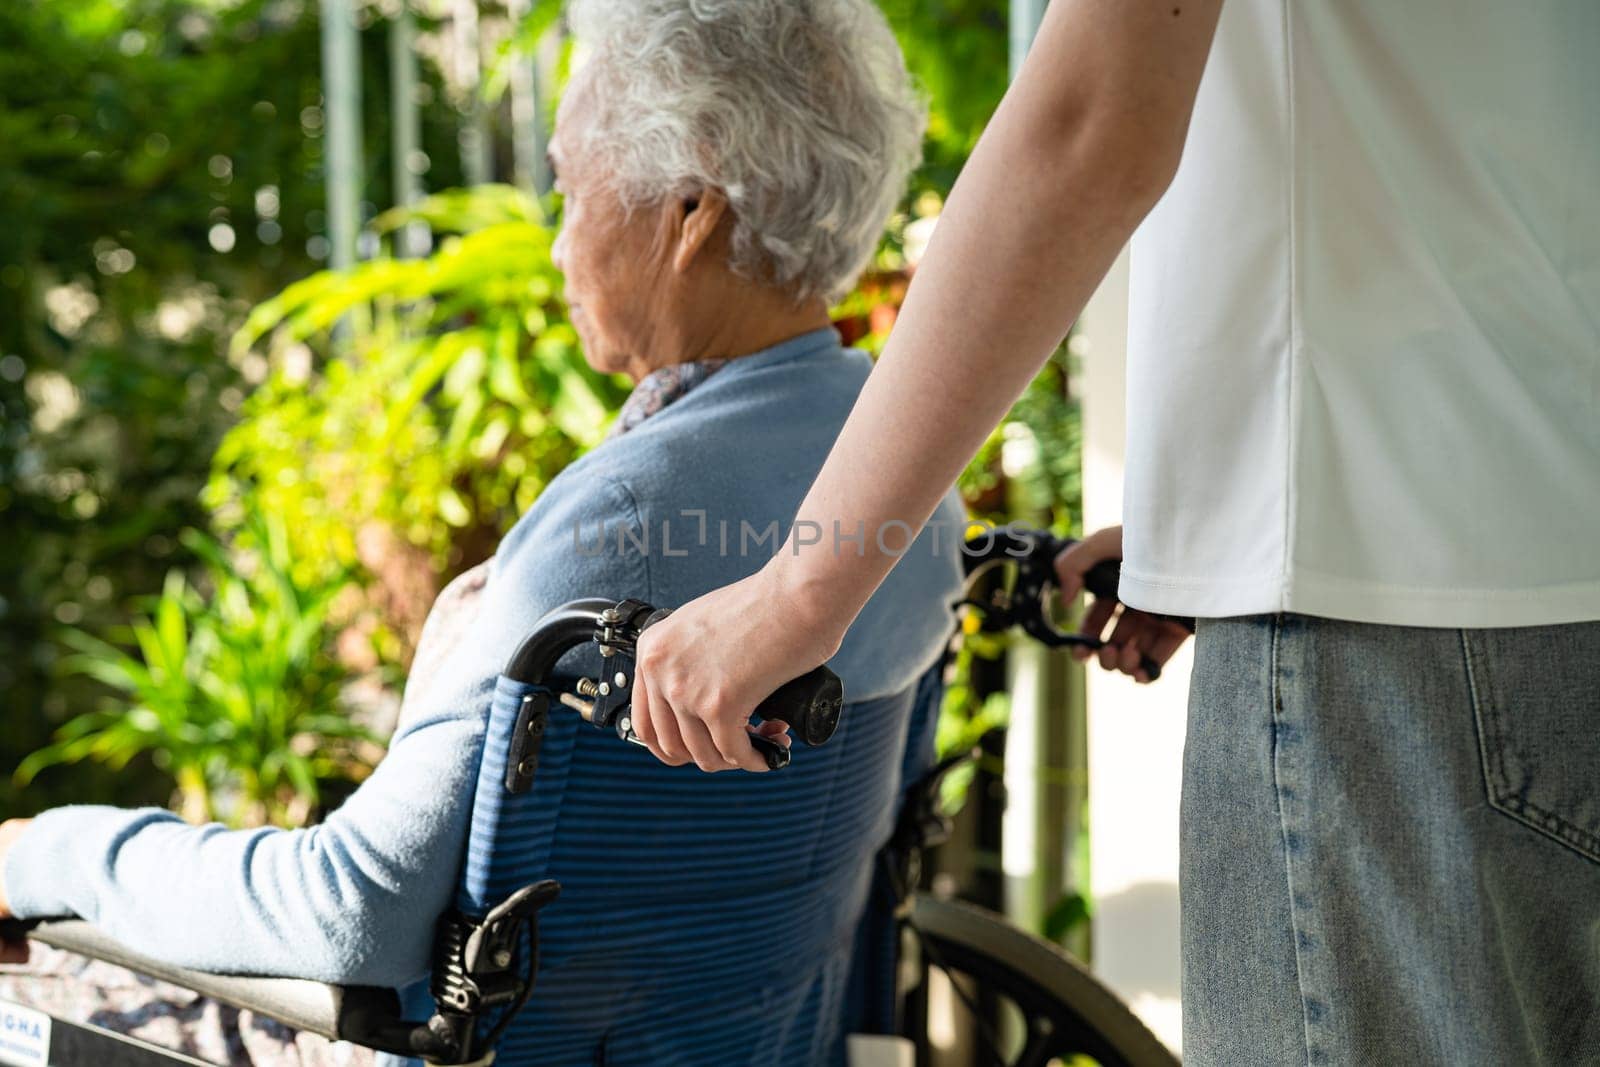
(702, 214)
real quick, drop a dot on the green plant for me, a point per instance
(967, 722)
(958, 52)
(161, 170)
(451, 394)
(233, 691)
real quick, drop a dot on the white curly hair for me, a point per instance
(800, 111)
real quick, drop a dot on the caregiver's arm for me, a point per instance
(1083, 145)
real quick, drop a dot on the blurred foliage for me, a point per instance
(521, 45)
(233, 691)
(1031, 467)
(451, 394)
(160, 172)
(1069, 913)
(958, 51)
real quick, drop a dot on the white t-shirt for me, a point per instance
(1364, 355)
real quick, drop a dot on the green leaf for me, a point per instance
(505, 373)
(462, 424)
(172, 629)
(519, 47)
(452, 508)
(1066, 915)
(300, 776)
(579, 411)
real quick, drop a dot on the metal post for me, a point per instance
(406, 159)
(476, 150)
(547, 60)
(528, 141)
(341, 101)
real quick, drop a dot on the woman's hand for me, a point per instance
(703, 669)
(1137, 634)
(10, 830)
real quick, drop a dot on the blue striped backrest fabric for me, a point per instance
(703, 919)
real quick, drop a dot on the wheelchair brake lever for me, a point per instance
(776, 755)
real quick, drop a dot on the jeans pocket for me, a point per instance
(1536, 696)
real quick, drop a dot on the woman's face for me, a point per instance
(618, 276)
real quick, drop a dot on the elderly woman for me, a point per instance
(727, 166)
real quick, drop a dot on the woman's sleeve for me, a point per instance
(354, 899)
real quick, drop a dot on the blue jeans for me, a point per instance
(1391, 845)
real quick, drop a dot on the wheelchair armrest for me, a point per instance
(339, 1013)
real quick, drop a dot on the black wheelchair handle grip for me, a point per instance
(1102, 581)
(810, 704)
(1106, 576)
(1103, 578)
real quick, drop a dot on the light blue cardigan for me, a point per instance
(353, 900)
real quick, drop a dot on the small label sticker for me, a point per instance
(879, 1050)
(24, 1036)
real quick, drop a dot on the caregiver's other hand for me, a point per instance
(1136, 634)
(10, 830)
(703, 669)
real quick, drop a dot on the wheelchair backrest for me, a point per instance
(675, 883)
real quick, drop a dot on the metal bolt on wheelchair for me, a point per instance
(485, 962)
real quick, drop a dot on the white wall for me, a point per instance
(1135, 732)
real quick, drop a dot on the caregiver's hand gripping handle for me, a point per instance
(809, 705)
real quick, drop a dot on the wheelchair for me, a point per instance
(1041, 1007)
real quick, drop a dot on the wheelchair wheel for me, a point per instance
(1028, 1003)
